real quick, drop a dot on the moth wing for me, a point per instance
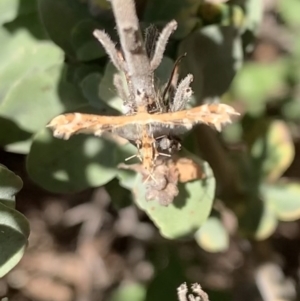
(64, 126)
(214, 115)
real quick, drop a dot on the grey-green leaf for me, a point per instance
(212, 236)
(214, 54)
(283, 199)
(189, 210)
(68, 166)
(10, 185)
(14, 232)
(14, 227)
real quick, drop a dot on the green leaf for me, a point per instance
(170, 273)
(283, 199)
(180, 10)
(23, 60)
(22, 55)
(107, 90)
(275, 150)
(222, 14)
(14, 229)
(129, 291)
(70, 25)
(87, 47)
(9, 10)
(267, 224)
(34, 100)
(121, 197)
(19, 147)
(189, 210)
(250, 213)
(255, 84)
(10, 185)
(27, 7)
(77, 73)
(212, 236)
(214, 56)
(28, 18)
(16, 136)
(288, 10)
(90, 89)
(59, 18)
(163, 72)
(254, 14)
(68, 166)
(291, 109)
(127, 178)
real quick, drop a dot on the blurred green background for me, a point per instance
(92, 234)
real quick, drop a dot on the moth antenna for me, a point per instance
(182, 94)
(173, 77)
(110, 49)
(161, 44)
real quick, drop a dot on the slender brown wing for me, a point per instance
(214, 115)
(66, 125)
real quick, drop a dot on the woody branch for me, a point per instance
(138, 64)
